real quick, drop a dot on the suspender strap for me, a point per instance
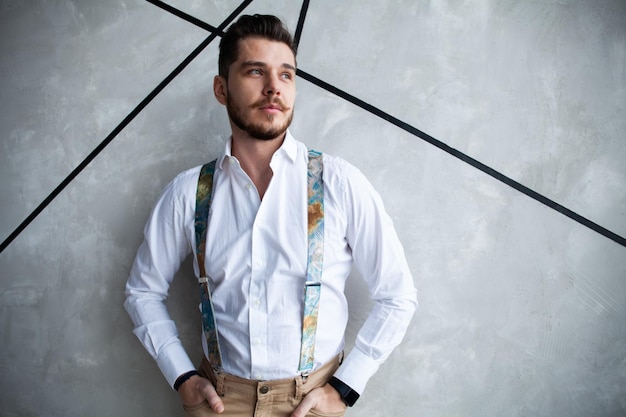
(203, 205)
(315, 210)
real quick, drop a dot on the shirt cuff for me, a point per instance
(356, 370)
(173, 361)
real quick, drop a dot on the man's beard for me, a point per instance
(257, 131)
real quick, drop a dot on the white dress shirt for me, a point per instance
(256, 260)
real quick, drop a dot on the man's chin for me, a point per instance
(266, 134)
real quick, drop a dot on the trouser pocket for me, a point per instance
(201, 410)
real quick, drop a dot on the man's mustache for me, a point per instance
(276, 102)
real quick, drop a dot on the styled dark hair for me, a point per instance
(263, 26)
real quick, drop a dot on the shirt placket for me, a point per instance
(257, 300)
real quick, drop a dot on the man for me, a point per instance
(256, 255)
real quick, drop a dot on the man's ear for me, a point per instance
(220, 89)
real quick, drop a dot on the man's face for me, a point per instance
(260, 91)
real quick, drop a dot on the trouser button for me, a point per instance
(264, 389)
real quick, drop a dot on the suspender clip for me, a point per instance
(305, 376)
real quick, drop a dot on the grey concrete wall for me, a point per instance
(523, 309)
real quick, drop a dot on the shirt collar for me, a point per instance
(289, 148)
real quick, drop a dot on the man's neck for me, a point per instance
(254, 156)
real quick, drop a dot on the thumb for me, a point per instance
(304, 407)
(212, 397)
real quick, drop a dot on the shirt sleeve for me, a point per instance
(379, 257)
(165, 246)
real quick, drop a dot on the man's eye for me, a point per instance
(255, 71)
(287, 76)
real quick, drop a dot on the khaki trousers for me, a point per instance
(247, 398)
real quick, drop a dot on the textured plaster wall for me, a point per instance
(522, 309)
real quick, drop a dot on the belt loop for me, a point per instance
(298, 395)
(219, 386)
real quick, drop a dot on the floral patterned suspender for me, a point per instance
(315, 192)
(313, 286)
(203, 204)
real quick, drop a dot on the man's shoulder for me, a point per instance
(184, 183)
(333, 160)
(337, 166)
(187, 176)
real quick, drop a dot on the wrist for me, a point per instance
(347, 394)
(184, 378)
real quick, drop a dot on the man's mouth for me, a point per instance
(272, 107)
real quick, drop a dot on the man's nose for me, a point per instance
(272, 86)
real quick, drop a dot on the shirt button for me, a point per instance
(257, 303)
(264, 389)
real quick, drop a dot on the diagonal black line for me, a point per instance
(189, 18)
(298, 34)
(121, 127)
(463, 157)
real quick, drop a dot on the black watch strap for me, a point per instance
(183, 378)
(348, 395)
